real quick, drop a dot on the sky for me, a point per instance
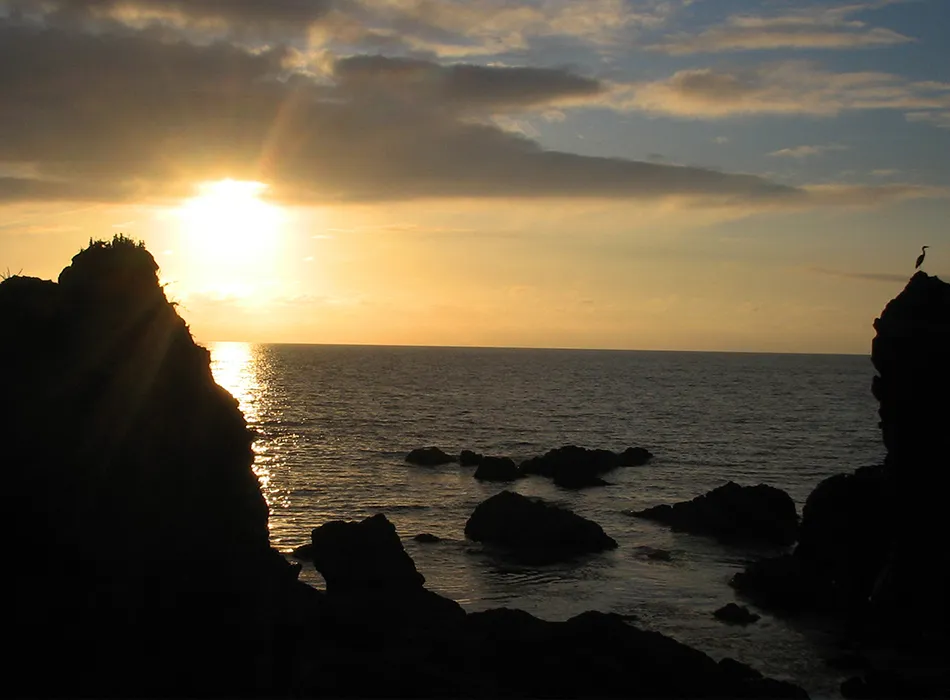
(640, 174)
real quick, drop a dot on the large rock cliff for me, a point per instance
(126, 466)
(872, 544)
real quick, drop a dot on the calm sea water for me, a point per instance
(335, 423)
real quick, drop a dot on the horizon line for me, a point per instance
(205, 342)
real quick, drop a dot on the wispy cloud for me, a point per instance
(813, 28)
(786, 87)
(939, 118)
(800, 152)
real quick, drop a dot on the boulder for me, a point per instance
(429, 457)
(533, 530)
(427, 538)
(372, 582)
(736, 615)
(733, 513)
(467, 458)
(634, 457)
(362, 556)
(497, 469)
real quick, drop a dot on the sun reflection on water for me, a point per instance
(237, 368)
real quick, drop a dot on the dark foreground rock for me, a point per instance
(429, 457)
(131, 464)
(733, 513)
(533, 530)
(497, 469)
(578, 467)
(132, 471)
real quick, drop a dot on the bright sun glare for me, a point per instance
(230, 233)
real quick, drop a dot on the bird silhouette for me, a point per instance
(920, 258)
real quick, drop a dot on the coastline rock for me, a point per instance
(733, 513)
(131, 464)
(497, 469)
(427, 538)
(467, 458)
(736, 615)
(578, 467)
(371, 579)
(654, 554)
(360, 556)
(872, 546)
(429, 457)
(535, 531)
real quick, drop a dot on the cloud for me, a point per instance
(815, 28)
(461, 86)
(938, 118)
(787, 87)
(447, 28)
(116, 117)
(800, 152)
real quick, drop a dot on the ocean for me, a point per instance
(334, 424)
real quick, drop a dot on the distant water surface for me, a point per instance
(335, 423)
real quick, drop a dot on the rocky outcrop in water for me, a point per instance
(429, 457)
(497, 469)
(733, 513)
(736, 615)
(578, 467)
(533, 530)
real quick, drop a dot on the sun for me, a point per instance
(230, 220)
(230, 235)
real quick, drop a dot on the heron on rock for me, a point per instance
(920, 258)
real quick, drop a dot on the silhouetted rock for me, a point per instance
(736, 615)
(427, 538)
(371, 580)
(303, 553)
(872, 543)
(132, 465)
(601, 655)
(733, 513)
(634, 457)
(497, 469)
(429, 457)
(359, 556)
(911, 352)
(467, 458)
(883, 685)
(578, 467)
(534, 530)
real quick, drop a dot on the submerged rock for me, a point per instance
(429, 457)
(736, 615)
(733, 513)
(497, 469)
(533, 530)
(427, 538)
